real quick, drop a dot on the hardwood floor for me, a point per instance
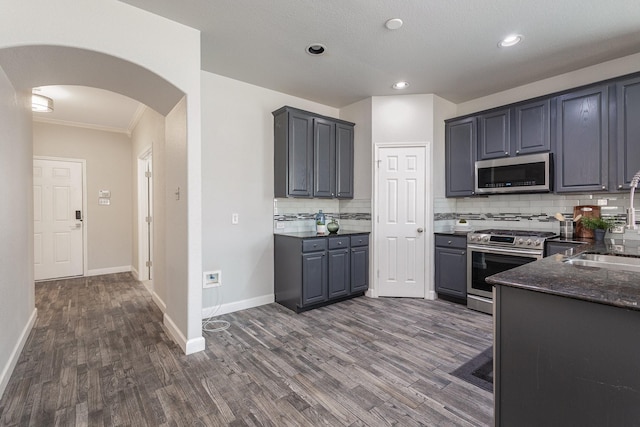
(98, 355)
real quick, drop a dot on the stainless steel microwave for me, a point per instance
(522, 174)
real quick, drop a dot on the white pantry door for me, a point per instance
(57, 204)
(401, 221)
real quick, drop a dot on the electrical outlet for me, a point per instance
(602, 202)
(211, 279)
(234, 218)
(279, 225)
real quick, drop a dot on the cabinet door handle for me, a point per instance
(449, 242)
(462, 253)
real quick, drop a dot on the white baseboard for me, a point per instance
(15, 354)
(237, 306)
(431, 295)
(109, 270)
(188, 346)
(135, 273)
(161, 305)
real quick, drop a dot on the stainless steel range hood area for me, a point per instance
(521, 174)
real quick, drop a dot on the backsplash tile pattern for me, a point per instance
(294, 215)
(524, 211)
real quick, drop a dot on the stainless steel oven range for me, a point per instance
(494, 251)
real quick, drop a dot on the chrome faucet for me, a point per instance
(631, 214)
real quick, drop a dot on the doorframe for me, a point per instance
(142, 158)
(429, 285)
(85, 204)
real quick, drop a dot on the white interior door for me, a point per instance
(400, 238)
(57, 215)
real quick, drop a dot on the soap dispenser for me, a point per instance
(321, 227)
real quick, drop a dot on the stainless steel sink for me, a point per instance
(610, 262)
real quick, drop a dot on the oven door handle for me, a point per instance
(502, 251)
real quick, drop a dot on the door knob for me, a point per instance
(420, 230)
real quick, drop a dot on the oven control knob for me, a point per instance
(521, 241)
(536, 243)
(485, 238)
(529, 242)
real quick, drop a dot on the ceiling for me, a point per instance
(90, 107)
(445, 47)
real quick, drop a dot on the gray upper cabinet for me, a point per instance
(532, 127)
(313, 155)
(460, 157)
(628, 132)
(344, 161)
(494, 134)
(293, 153)
(522, 129)
(582, 141)
(324, 158)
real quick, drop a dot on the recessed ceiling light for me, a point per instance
(316, 49)
(393, 24)
(400, 85)
(511, 40)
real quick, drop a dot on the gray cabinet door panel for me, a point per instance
(344, 161)
(359, 269)
(582, 140)
(494, 134)
(533, 127)
(314, 278)
(451, 271)
(460, 157)
(300, 155)
(324, 158)
(628, 139)
(339, 273)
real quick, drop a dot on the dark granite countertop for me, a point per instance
(453, 233)
(552, 276)
(312, 234)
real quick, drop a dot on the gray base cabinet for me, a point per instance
(313, 155)
(315, 271)
(564, 362)
(451, 266)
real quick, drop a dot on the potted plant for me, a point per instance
(598, 224)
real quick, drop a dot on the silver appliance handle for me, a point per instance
(506, 251)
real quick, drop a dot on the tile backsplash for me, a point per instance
(524, 211)
(293, 215)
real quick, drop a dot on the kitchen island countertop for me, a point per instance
(552, 275)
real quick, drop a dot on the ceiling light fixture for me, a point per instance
(511, 40)
(41, 104)
(316, 49)
(400, 85)
(393, 24)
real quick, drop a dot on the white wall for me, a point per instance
(237, 177)
(360, 114)
(17, 301)
(108, 162)
(149, 132)
(606, 70)
(114, 46)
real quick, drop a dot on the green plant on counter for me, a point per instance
(596, 223)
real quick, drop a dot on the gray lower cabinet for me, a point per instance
(313, 155)
(628, 129)
(563, 361)
(359, 263)
(582, 140)
(315, 271)
(451, 265)
(460, 156)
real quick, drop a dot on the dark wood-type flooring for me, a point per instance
(99, 356)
